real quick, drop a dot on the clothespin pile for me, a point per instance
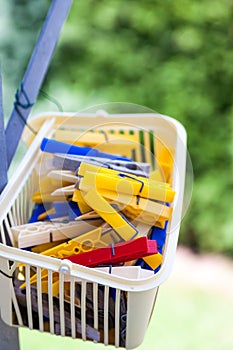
(94, 208)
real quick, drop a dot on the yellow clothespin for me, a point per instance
(45, 246)
(142, 210)
(55, 285)
(142, 143)
(80, 244)
(83, 206)
(127, 184)
(48, 184)
(126, 194)
(94, 138)
(157, 175)
(40, 198)
(165, 158)
(124, 228)
(154, 260)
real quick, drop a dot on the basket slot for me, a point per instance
(50, 301)
(61, 304)
(14, 214)
(10, 216)
(106, 314)
(123, 317)
(28, 297)
(8, 232)
(72, 307)
(95, 304)
(25, 201)
(18, 216)
(39, 300)
(31, 187)
(6, 236)
(16, 307)
(117, 318)
(21, 206)
(2, 233)
(83, 309)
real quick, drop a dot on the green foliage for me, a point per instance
(172, 56)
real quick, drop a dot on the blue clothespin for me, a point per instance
(65, 209)
(53, 146)
(73, 211)
(38, 210)
(158, 234)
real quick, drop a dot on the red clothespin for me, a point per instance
(116, 254)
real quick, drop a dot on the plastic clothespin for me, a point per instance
(102, 140)
(40, 248)
(72, 163)
(59, 209)
(144, 210)
(48, 184)
(80, 244)
(41, 198)
(120, 224)
(64, 191)
(165, 158)
(37, 233)
(67, 209)
(63, 175)
(118, 253)
(109, 236)
(133, 206)
(126, 184)
(88, 216)
(94, 137)
(158, 234)
(83, 206)
(37, 211)
(53, 146)
(135, 168)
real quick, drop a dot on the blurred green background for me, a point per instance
(175, 57)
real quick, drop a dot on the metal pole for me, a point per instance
(35, 73)
(8, 335)
(3, 154)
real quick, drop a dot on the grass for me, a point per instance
(187, 316)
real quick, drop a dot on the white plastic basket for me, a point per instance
(139, 288)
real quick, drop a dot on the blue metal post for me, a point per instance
(35, 73)
(3, 154)
(8, 335)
